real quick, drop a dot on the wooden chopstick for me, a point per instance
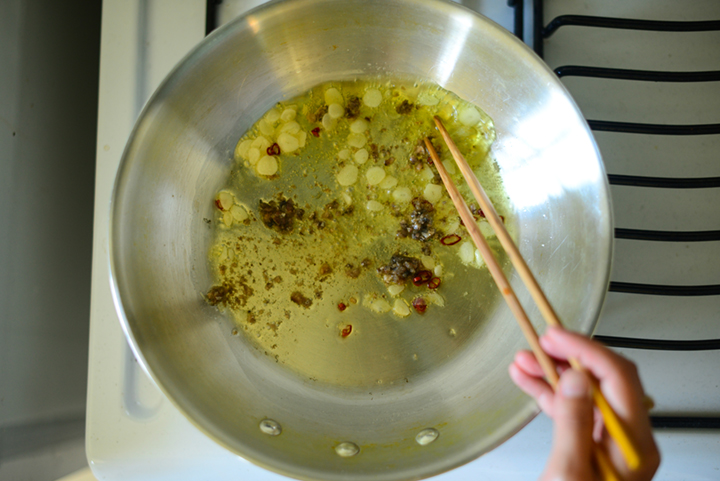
(547, 364)
(616, 428)
(496, 271)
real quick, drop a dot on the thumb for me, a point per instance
(571, 456)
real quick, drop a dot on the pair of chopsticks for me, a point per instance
(614, 426)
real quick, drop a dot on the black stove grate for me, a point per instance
(541, 32)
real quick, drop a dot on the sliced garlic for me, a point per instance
(227, 219)
(433, 192)
(450, 166)
(241, 149)
(438, 270)
(359, 126)
(272, 116)
(288, 143)
(344, 154)
(485, 228)
(302, 138)
(400, 308)
(375, 175)
(467, 252)
(239, 213)
(427, 174)
(435, 298)
(372, 98)
(453, 225)
(261, 143)
(267, 166)
(395, 289)
(346, 197)
(223, 254)
(348, 175)
(426, 98)
(328, 122)
(288, 115)
(356, 140)
(428, 262)
(335, 111)
(291, 127)
(463, 131)
(380, 305)
(402, 194)
(374, 206)
(226, 200)
(469, 116)
(333, 96)
(265, 127)
(388, 182)
(361, 156)
(253, 155)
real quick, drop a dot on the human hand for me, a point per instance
(576, 426)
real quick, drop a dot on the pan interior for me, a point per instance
(302, 267)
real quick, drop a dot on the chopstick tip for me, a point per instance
(429, 145)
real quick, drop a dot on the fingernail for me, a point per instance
(574, 384)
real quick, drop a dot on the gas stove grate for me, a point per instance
(541, 32)
(627, 23)
(664, 235)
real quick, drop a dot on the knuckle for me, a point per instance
(626, 364)
(654, 459)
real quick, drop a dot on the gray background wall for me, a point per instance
(49, 60)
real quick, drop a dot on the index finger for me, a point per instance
(618, 376)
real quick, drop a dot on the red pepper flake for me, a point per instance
(316, 131)
(434, 283)
(342, 306)
(218, 204)
(450, 240)
(419, 304)
(474, 217)
(422, 277)
(274, 149)
(346, 331)
(502, 218)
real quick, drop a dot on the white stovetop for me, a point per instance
(135, 433)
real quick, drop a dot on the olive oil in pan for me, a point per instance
(336, 246)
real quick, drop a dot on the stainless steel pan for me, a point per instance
(179, 155)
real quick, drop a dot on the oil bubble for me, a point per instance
(347, 449)
(427, 436)
(270, 427)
